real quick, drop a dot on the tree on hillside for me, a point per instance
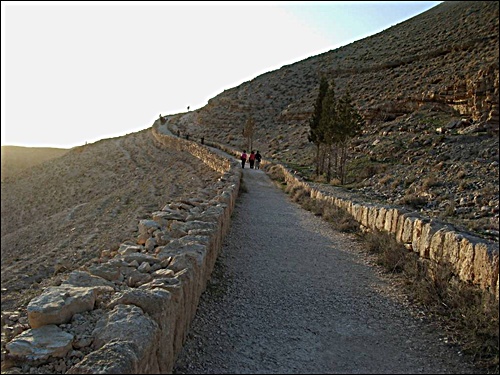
(349, 123)
(332, 128)
(328, 125)
(315, 135)
(248, 131)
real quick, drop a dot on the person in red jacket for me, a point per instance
(251, 159)
(243, 158)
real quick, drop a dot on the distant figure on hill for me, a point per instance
(202, 140)
(243, 158)
(187, 137)
(251, 159)
(258, 158)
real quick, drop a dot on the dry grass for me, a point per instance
(468, 314)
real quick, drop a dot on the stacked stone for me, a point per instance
(131, 311)
(474, 259)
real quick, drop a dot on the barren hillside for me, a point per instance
(428, 90)
(15, 158)
(59, 215)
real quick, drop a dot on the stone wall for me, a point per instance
(131, 312)
(474, 259)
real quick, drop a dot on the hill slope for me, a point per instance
(16, 158)
(59, 215)
(428, 90)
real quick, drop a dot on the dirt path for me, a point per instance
(290, 295)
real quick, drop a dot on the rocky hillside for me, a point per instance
(60, 215)
(428, 91)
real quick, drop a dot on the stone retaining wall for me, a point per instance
(474, 259)
(131, 312)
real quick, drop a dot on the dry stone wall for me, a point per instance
(474, 259)
(130, 313)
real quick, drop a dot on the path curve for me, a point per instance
(291, 295)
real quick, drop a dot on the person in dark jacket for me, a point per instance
(258, 158)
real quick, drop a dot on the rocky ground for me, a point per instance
(448, 172)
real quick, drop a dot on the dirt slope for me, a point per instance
(59, 215)
(16, 158)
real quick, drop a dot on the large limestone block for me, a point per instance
(152, 301)
(113, 358)
(437, 245)
(451, 247)
(466, 259)
(345, 204)
(365, 212)
(140, 258)
(126, 323)
(417, 234)
(197, 224)
(357, 212)
(148, 226)
(109, 271)
(485, 265)
(372, 217)
(41, 343)
(185, 246)
(84, 279)
(162, 217)
(391, 220)
(422, 245)
(57, 305)
(408, 226)
(380, 221)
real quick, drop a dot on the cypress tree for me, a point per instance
(316, 135)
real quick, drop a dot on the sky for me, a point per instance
(75, 72)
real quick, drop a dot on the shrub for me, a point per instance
(413, 201)
(390, 254)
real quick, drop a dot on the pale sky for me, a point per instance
(76, 72)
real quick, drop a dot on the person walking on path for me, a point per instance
(258, 158)
(251, 159)
(243, 159)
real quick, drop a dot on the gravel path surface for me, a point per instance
(290, 295)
